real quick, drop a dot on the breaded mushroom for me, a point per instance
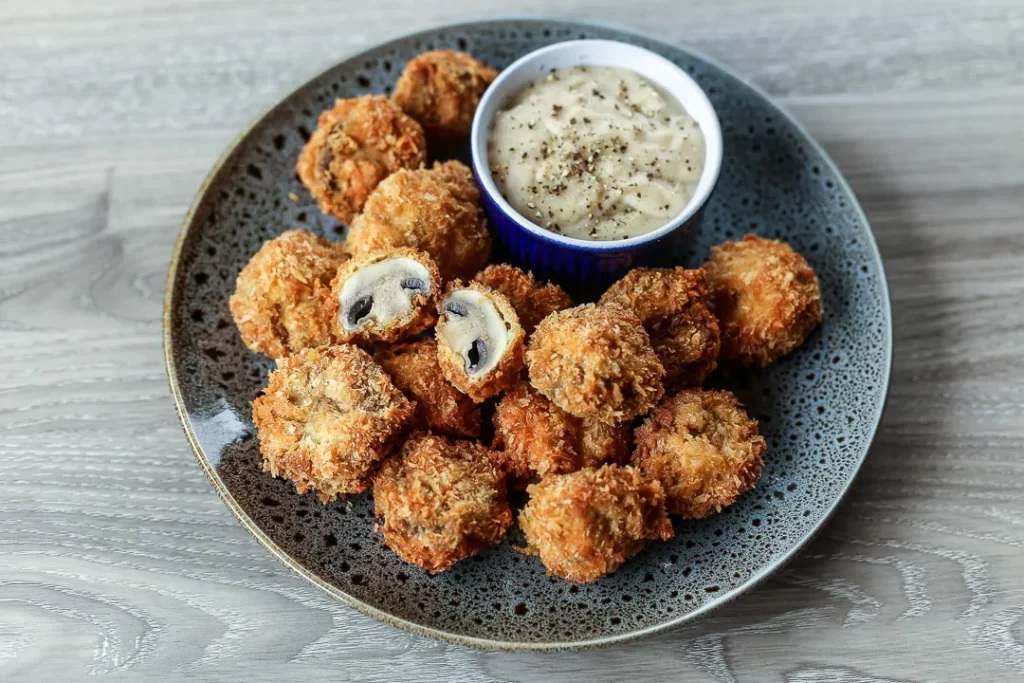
(440, 407)
(326, 418)
(586, 524)
(441, 89)
(357, 144)
(672, 304)
(440, 501)
(280, 295)
(596, 362)
(704, 449)
(538, 438)
(479, 340)
(384, 296)
(532, 301)
(766, 297)
(437, 211)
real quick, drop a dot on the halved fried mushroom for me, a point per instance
(479, 340)
(384, 296)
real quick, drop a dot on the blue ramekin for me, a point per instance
(587, 267)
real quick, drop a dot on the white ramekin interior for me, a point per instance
(655, 68)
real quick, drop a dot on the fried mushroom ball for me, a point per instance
(479, 340)
(595, 362)
(586, 524)
(441, 89)
(703, 448)
(532, 301)
(766, 297)
(326, 418)
(672, 304)
(440, 407)
(441, 501)
(434, 210)
(357, 144)
(384, 296)
(280, 295)
(539, 438)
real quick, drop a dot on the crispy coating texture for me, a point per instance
(326, 418)
(280, 295)
(441, 89)
(357, 144)
(503, 375)
(596, 362)
(440, 407)
(766, 297)
(422, 315)
(538, 438)
(441, 501)
(532, 301)
(434, 210)
(703, 448)
(586, 524)
(673, 305)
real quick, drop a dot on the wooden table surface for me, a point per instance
(117, 559)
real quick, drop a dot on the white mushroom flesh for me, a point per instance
(475, 330)
(382, 293)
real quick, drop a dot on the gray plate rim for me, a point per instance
(487, 643)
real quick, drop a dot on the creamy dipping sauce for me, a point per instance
(595, 153)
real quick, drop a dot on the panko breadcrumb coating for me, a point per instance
(479, 340)
(440, 407)
(539, 438)
(434, 210)
(384, 296)
(672, 304)
(703, 448)
(766, 297)
(532, 301)
(280, 295)
(586, 524)
(441, 501)
(357, 144)
(326, 418)
(596, 362)
(441, 89)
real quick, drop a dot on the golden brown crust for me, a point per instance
(441, 89)
(506, 373)
(532, 301)
(766, 297)
(280, 295)
(539, 438)
(422, 315)
(703, 448)
(440, 501)
(437, 211)
(586, 524)
(672, 304)
(357, 144)
(326, 418)
(595, 362)
(440, 407)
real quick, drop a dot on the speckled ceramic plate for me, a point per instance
(818, 408)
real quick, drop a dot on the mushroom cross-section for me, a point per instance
(480, 341)
(475, 330)
(385, 297)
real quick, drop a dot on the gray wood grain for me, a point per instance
(118, 560)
